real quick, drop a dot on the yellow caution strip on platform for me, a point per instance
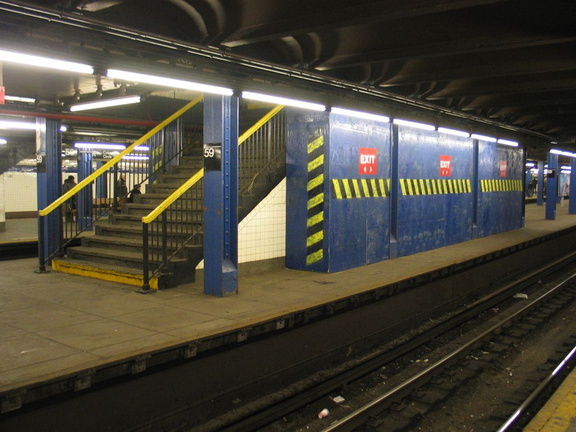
(360, 188)
(498, 185)
(315, 205)
(101, 274)
(410, 187)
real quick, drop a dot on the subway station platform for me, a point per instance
(559, 413)
(55, 326)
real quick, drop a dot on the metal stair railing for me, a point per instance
(178, 220)
(141, 161)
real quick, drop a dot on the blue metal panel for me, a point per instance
(501, 196)
(49, 179)
(306, 181)
(572, 197)
(84, 202)
(358, 196)
(552, 186)
(221, 196)
(435, 204)
(540, 199)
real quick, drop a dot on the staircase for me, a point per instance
(114, 252)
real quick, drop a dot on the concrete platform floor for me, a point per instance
(55, 324)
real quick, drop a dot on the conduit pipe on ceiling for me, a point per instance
(78, 118)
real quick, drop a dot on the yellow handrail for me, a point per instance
(49, 209)
(196, 177)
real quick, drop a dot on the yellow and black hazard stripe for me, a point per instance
(498, 185)
(315, 205)
(361, 188)
(435, 186)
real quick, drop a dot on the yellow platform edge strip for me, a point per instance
(102, 274)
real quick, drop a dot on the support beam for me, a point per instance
(220, 195)
(572, 195)
(49, 181)
(552, 186)
(540, 194)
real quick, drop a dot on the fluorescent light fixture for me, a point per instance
(9, 124)
(19, 99)
(63, 128)
(106, 103)
(566, 171)
(3, 141)
(142, 148)
(167, 82)
(483, 138)
(507, 142)
(565, 167)
(415, 125)
(45, 62)
(454, 132)
(283, 101)
(136, 157)
(99, 146)
(563, 152)
(360, 114)
(530, 164)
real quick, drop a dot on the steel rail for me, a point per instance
(264, 417)
(355, 419)
(521, 410)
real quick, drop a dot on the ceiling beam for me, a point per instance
(321, 16)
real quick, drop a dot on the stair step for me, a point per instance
(101, 271)
(112, 257)
(144, 209)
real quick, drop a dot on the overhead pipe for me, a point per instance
(78, 118)
(226, 59)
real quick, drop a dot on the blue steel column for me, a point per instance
(552, 186)
(49, 181)
(394, 191)
(85, 201)
(572, 195)
(540, 194)
(475, 186)
(221, 197)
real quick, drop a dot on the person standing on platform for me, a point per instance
(122, 189)
(135, 191)
(70, 204)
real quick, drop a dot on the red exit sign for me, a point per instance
(368, 161)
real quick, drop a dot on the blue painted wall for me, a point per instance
(500, 197)
(360, 191)
(358, 197)
(338, 206)
(307, 139)
(435, 203)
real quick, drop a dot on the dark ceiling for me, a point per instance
(508, 62)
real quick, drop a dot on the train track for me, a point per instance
(402, 405)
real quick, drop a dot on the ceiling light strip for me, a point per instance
(283, 101)
(360, 114)
(167, 82)
(415, 125)
(45, 62)
(454, 132)
(106, 103)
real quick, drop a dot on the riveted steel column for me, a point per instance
(84, 200)
(475, 186)
(394, 192)
(220, 195)
(49, 183)
(572, 194)
(540, 194)
(552, 186)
